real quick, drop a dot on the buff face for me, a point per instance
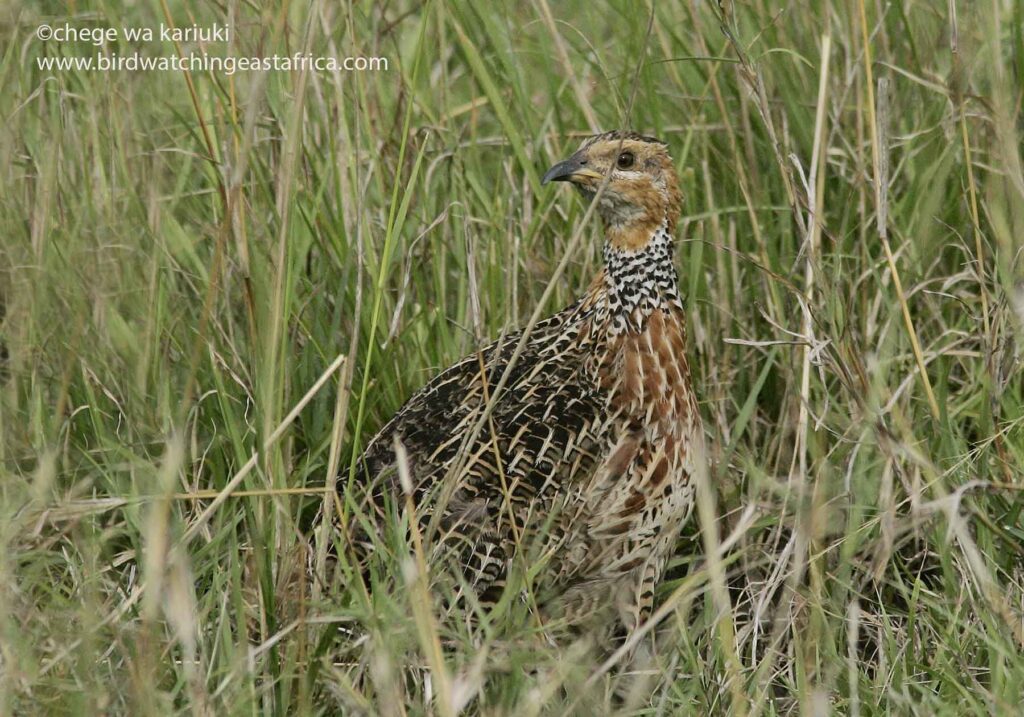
(641, 192)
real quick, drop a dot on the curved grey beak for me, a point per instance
(570, 170)
(563, 171)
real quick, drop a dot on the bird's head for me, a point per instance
(642, 190)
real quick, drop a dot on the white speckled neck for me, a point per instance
(640, 281)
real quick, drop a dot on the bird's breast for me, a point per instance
(646, 372)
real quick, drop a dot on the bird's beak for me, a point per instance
(570, 170)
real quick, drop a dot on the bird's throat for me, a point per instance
(633, 235)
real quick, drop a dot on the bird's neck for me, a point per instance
(640, 281)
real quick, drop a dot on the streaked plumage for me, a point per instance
(587, 461)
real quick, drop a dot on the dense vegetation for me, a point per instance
(215, 287)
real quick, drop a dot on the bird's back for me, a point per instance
(545, 435)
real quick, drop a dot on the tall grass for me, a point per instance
(215, 287)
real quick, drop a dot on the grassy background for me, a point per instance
(185, 256)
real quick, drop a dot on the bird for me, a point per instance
(584, 469)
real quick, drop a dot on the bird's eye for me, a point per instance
(625, 160)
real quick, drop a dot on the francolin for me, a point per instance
(584, 472)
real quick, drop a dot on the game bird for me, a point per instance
(584, 469)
